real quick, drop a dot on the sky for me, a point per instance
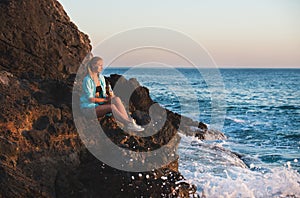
(235, 33)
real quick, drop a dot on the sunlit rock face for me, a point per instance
(38, 40)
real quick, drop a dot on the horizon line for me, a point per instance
(206, 67)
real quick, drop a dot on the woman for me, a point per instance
(94, 96)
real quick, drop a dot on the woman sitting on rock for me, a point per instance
(94, 96)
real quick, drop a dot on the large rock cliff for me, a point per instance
(38, 40)
(41, 154)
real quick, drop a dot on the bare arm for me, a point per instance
(98, 100)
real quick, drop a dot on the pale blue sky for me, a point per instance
(241, 33)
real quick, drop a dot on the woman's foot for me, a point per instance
(132, 126)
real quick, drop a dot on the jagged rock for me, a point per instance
(38, 40)
(4, 77)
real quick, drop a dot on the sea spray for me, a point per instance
(217, 176)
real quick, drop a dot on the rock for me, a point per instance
(41, 123)
(8, 151)
(38, 40)
(4, 77)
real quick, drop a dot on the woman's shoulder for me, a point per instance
(88, 81)
(87, 78)
(101, 77)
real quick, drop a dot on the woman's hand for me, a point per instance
(109, 99)
(98, 100)
(111, 93)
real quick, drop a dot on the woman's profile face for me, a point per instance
(98, 67)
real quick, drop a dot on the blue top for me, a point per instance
(89, 91)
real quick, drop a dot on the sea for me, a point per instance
(257, 109)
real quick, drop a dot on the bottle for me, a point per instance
(108, 89)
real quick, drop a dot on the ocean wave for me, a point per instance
(288, 107)
(238, 182)
(237, 120)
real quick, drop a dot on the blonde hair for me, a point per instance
(91, 64)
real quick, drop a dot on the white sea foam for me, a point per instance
(217, 174)
(238, 182)
(236, 120)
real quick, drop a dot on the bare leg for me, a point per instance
(120, 107)
(101, 110)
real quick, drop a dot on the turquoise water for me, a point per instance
(260, 110)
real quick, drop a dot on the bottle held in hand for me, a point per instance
(108, 90)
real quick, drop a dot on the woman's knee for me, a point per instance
(116, 99)
(113, 107)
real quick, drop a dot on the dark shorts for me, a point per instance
(89, 112)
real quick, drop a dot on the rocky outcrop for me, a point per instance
(41, 153)
(38, 40)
